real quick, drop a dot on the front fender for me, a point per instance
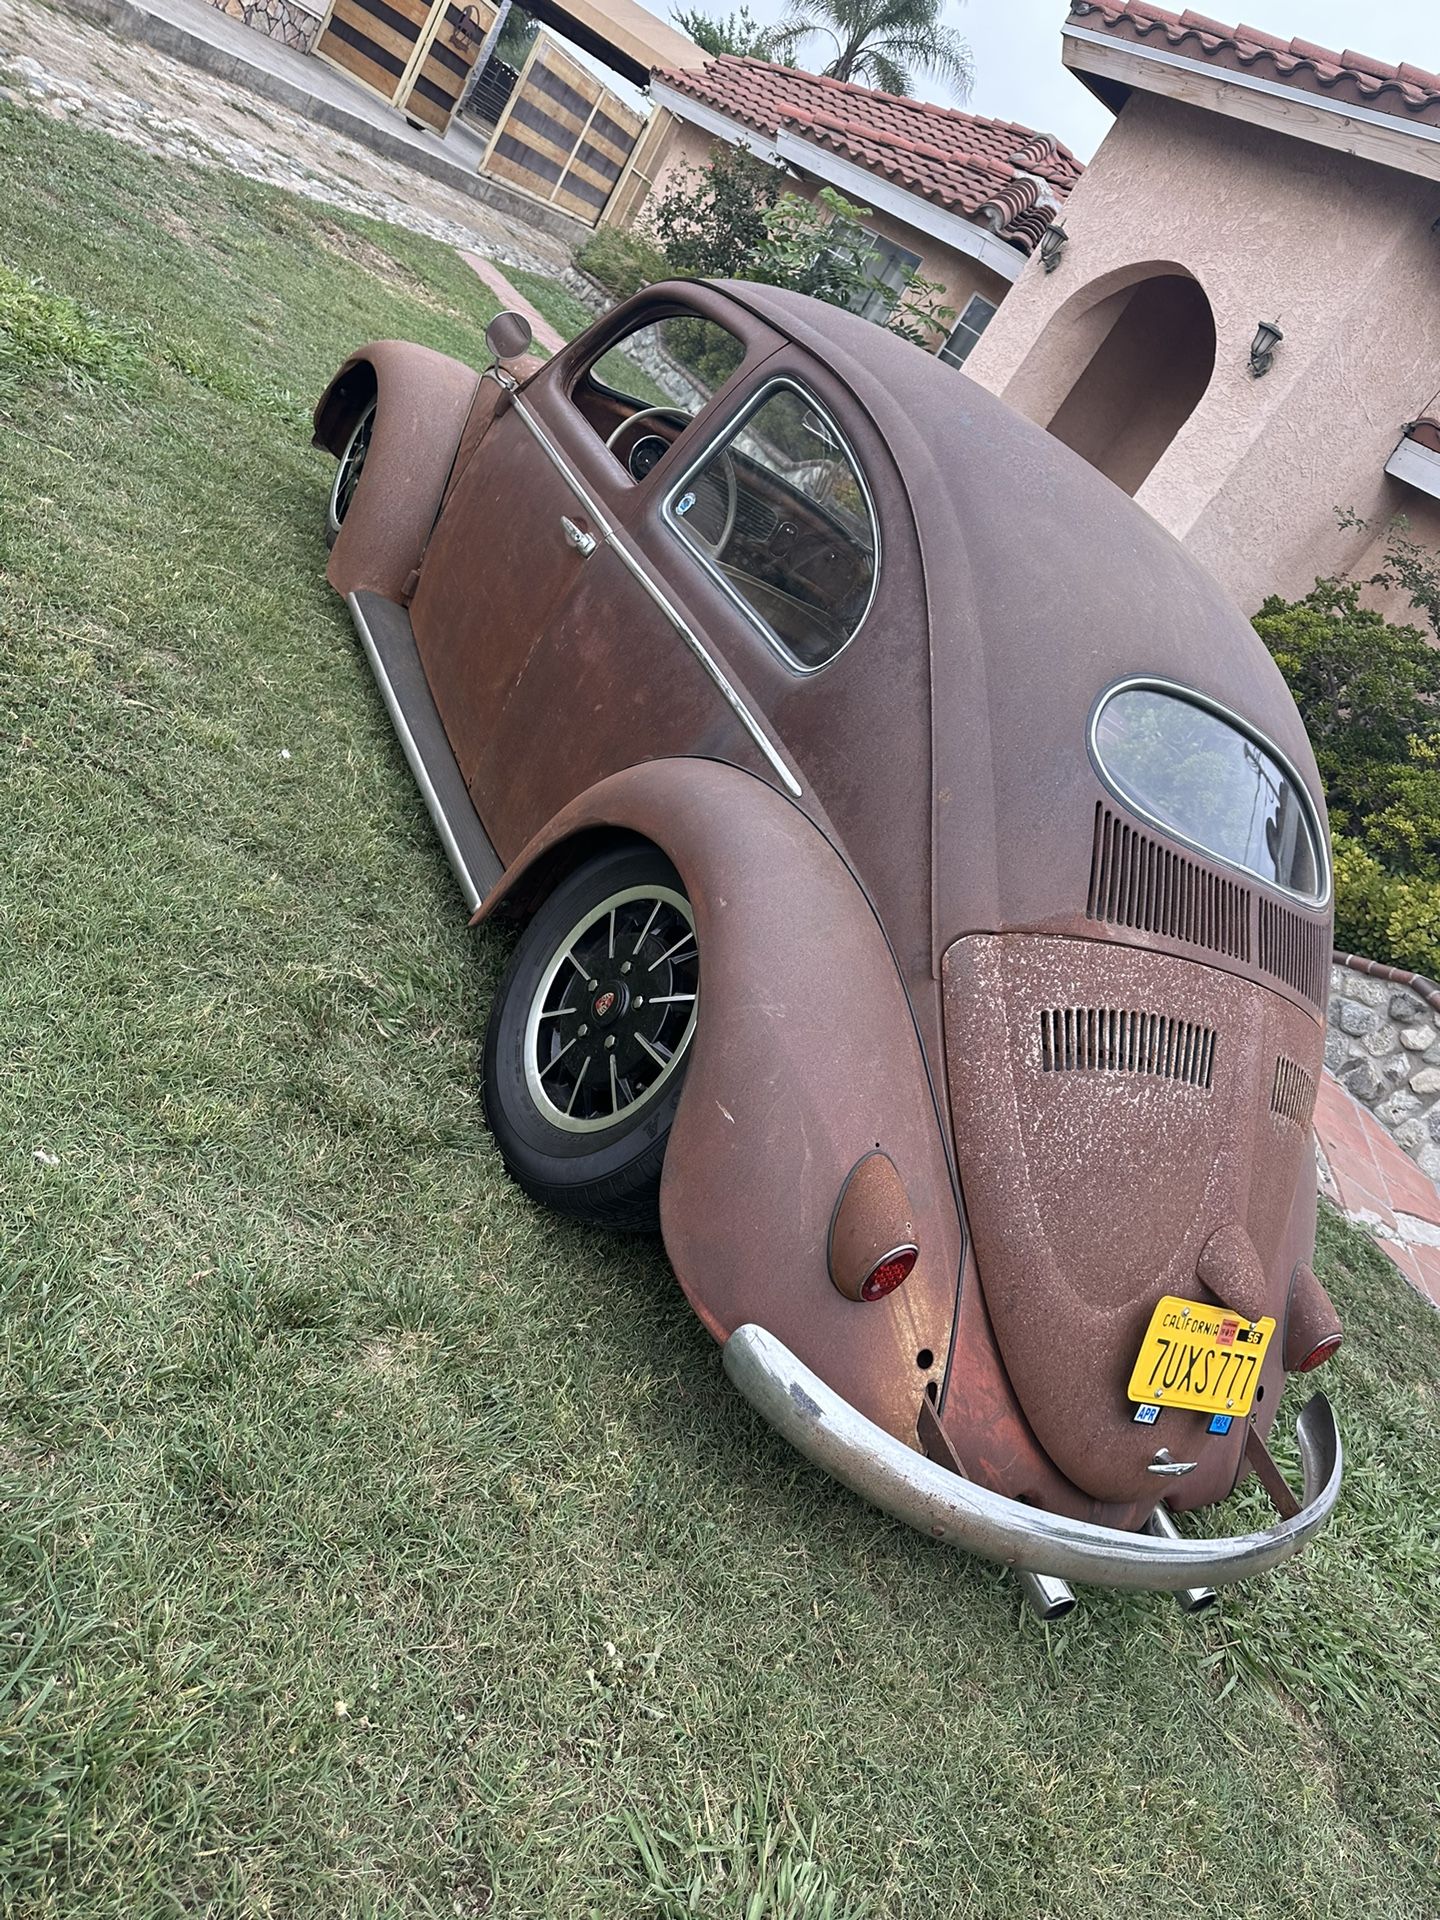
(805, 1058)
(423, 400)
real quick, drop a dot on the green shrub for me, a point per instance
(1369, 693)
(623, 262)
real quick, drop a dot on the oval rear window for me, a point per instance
(1205, 779)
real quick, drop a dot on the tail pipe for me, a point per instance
(1046, 1597)
(1188, 1599)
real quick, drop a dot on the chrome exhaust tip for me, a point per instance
(1188, 1599)
(1047, 1598)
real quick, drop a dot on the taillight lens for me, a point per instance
(887, 1273)
(1318, 1355)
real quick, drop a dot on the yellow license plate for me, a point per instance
(1203, 1358)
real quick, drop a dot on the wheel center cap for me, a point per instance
(609, 1005)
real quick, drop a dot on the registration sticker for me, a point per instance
(1146, 1416)
(1204, 1358)
(1220, 1422)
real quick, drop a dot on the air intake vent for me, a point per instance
(1117, 1040)
(1293, 1095)
(1294, 950)
(1137, 881)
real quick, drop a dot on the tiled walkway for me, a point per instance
(1378, 1185)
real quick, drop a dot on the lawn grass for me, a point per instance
(553, 299)
(374, 1544)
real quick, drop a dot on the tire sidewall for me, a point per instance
(541, 1154)
(333, 523)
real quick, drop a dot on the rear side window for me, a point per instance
(779, 511)
(1210, 781)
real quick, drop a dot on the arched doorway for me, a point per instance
(1144, 378)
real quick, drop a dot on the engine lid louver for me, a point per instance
(1292, 1095)
(1126, 1040)
(1137, 881)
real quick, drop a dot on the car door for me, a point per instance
(505, 552)
(610, 676)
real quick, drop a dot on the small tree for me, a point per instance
(738, 33)
(710, 222)
(819, 247)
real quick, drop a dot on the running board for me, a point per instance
(389, 642)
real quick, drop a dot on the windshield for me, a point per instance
(1193, 771)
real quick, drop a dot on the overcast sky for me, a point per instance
(1016, 44)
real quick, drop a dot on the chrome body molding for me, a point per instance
(935, 1501)
(672, 613)
(459, 866)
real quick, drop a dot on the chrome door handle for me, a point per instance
(583, 543)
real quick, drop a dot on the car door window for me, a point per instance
(779, 511)
(658, 376)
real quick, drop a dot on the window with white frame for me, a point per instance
(887, 266)
(968, 328)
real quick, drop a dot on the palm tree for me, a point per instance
(883, 43)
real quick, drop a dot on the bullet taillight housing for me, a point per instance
(1312, 1326)
(872, 1238)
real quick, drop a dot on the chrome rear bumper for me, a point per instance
(927, 1496)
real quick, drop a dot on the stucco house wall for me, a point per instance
(1336, 250)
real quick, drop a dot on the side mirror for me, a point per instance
(508, 335)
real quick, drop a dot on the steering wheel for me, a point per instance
(725, 479)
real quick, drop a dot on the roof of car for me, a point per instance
(1039, 570)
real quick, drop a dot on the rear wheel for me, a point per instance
(347, 474)
(589, 1037)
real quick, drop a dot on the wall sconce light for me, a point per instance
(1262, 348)
(1052, 244)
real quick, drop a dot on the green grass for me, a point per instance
(553, 299)
(374, 1544)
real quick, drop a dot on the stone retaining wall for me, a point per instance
(1383, 1045)
(294, 23)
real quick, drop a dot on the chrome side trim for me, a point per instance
(473, 894)
(662, 600)
(927, 1496)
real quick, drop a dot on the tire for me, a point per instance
(348, 470)
(589, 1037)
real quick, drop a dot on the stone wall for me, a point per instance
(1383, 1046)
(295, 23)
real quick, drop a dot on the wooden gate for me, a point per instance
(417, 54)
(564, 136)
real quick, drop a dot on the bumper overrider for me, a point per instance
(935, 1501)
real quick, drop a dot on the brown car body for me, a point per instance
(902, 865)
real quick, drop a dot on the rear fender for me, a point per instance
(423, 400)
(805, 1058)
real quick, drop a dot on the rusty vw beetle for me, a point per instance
(924, 897)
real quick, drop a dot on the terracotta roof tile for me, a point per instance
(1007, 176)
(1405, 92)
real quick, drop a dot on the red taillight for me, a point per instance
(1318, 1355)
(887, 1274)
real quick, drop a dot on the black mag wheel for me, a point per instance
(589, 1036)
(347, 474)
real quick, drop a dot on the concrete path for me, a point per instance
(511, 296)
(1378, 1186)
(70, 69)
